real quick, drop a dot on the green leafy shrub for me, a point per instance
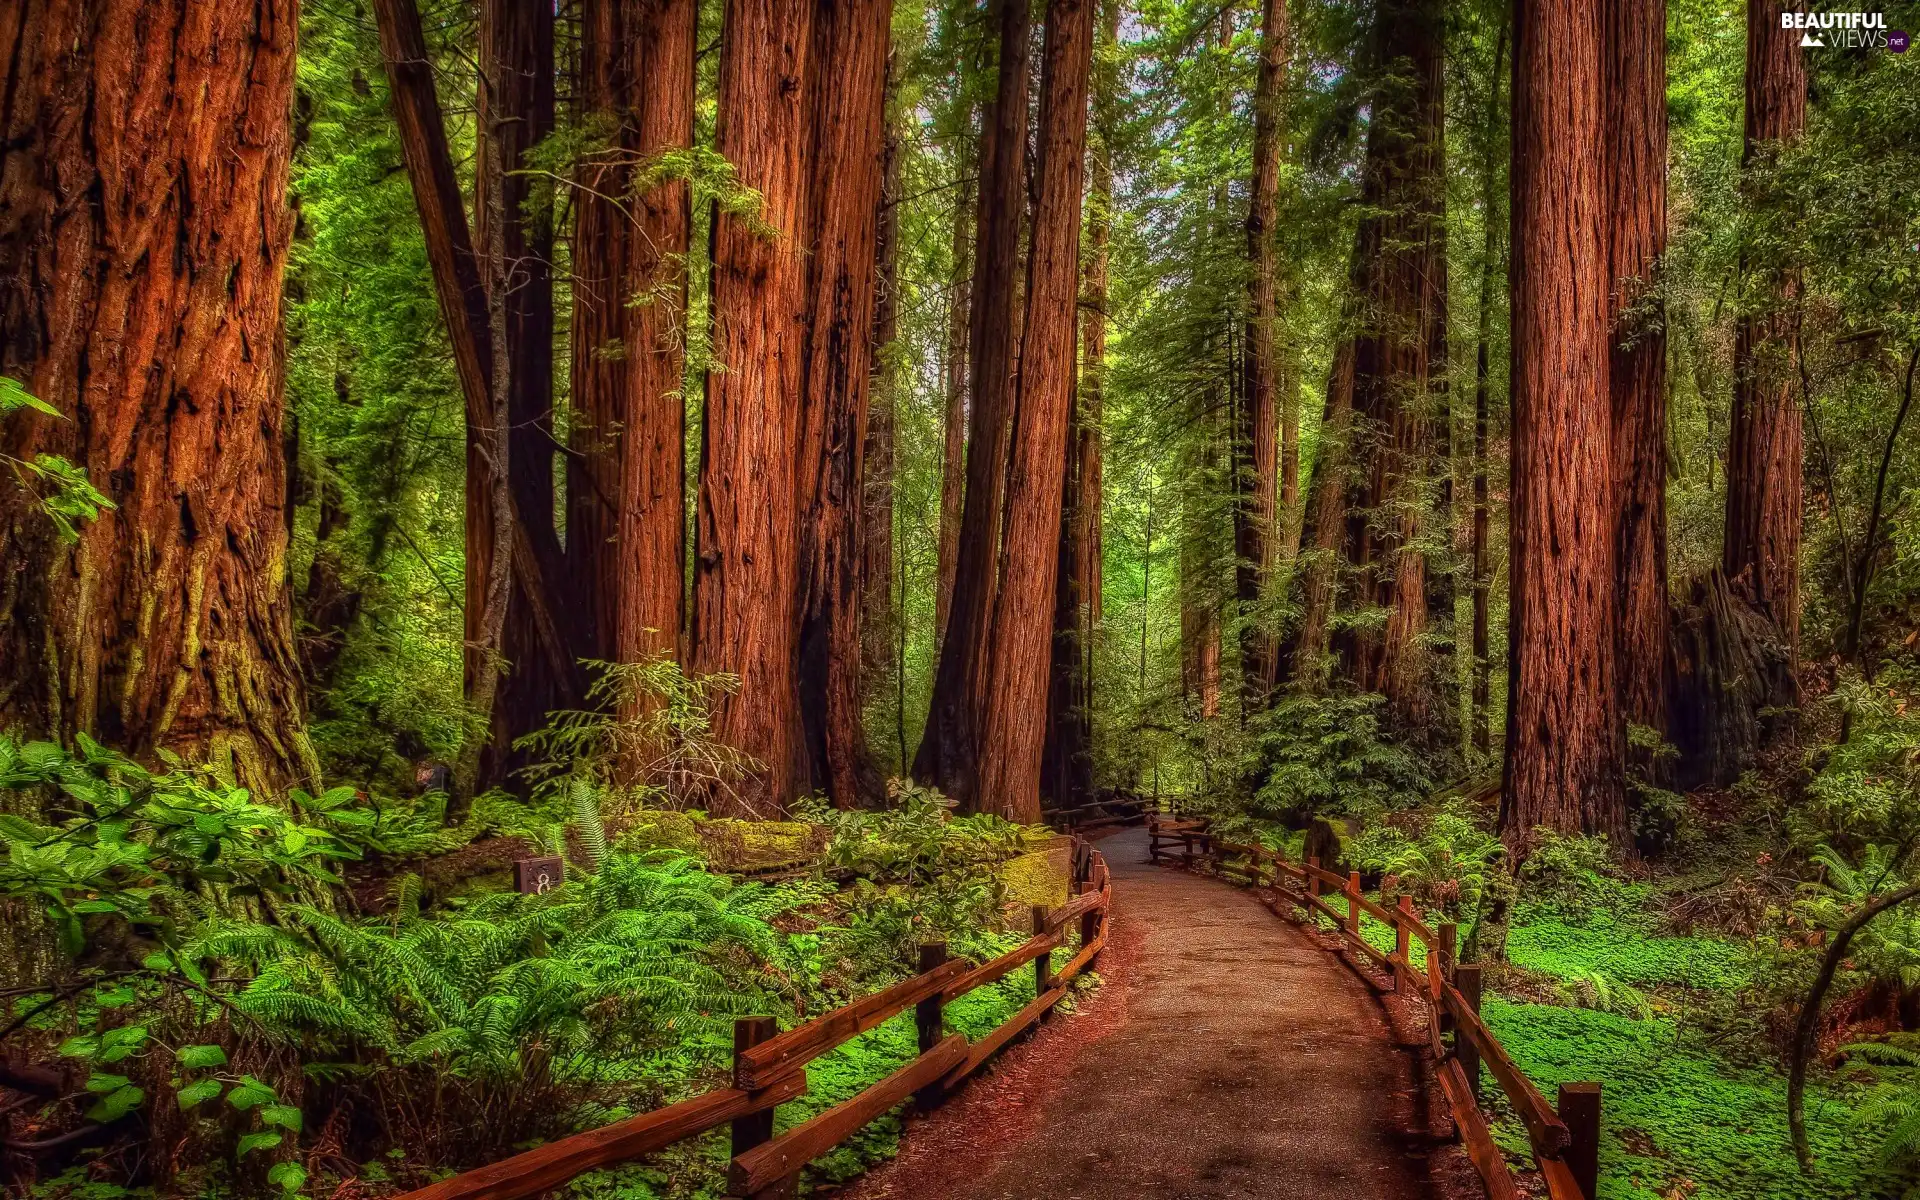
(1444, 861)
(1318, 755)
(1867, 788)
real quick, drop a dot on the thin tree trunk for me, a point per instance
(949, 753)
(746, 594)
(141, 260)
(1564, 735)
(1015, 724)
(849, 145)
(1308, 661)
(953, 452)
(1762, 538)
(1259, 535)
(1636, 99)
(1870, 539)
(877, 638)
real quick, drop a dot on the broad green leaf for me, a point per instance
(116, 1104)
(201, 1056)
(256, 1141)
(100, 1082)
(251, 1093)
(286, 1116)
(198, 1092)
(290, 1176)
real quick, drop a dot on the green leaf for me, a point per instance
(201, 1056)
(84, 1046)
(116, 1044)
(291, 1176)
(96, 906)
(286, 1116)
(14, 395)
(100, 1083)
(116, 1104)
(198, 1093)
(256, 1141)
(251, 1093)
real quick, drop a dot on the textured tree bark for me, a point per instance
(953, 450)
(1015, 724)
(1307, 660)
(1067, 763)
(1394, 372)
(144, 229)
(1480, 536)
(746, 595)
(1257, 535)
(516, 48)
(627, 478)
(949, 757)
(877, 640)
(1636, 99)
(461, 292)
(846, 159)
(1764, 440)
(1564, 735)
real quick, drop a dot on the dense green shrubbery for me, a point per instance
(1329, 755)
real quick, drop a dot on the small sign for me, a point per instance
(538, 876)
(431, 777)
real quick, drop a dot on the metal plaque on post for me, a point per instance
(535, 876)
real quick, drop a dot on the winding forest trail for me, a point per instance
(1227, 1054)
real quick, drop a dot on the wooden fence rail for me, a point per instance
(1565, 1139)
(769, 1067)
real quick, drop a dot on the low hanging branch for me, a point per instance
(1803, 1034)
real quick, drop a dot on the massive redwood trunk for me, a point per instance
(949, 753)
(1015, 725)
(746, 611)
(1564, 735)
(1257, 535)
(1636, 115)
(143, 234)
(849, 109)
(1403, 308)
(1764, 441)
(626, 479)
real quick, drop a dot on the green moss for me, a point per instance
(660, 829)
(1039, 876)
(1618, 950)
(736, 846)
(1674, 1113)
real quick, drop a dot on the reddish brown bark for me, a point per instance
(1479, 537)
(1015, 725)
(1395, 371)
(953, 451)
(1257, 534)
(1636, 99)
(876, 560)
(1307, 660)
(948, 756)
(746, 573)
(1564, 735)
(626, 481)
(849, 137)
(143, 235)
(1762, 538)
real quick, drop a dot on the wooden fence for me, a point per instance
(1566, 1141)
(769, 1067)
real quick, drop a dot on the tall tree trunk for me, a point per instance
(1015, 725)
(949, 756)
(1307, 660)
(1258, 535)
(1764, 442)
(876, 563)
(515, 111)
(461, 292)
(1404, 291)
(849, 145)
(953, 450)
(143, 236)
(753, 478)
(1636, 99)
(651, 565)
(1490, 253)
(626, 479)
(1564, 735)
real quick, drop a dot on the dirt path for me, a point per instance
(1226, 1055)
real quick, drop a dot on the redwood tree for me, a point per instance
(1258, 536)
(1564, 742)
(1762, 542)
(1635, 90)
(143, 234)
(1014, 729)
(948, 753)
(746, 592)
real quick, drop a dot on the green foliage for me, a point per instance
(1445, 863)
(69, 496)
(1574, 878)
(1330, 755)
(1867, 788)
(1888, 949)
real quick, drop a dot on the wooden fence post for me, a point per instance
(1043, 965)
(1580, 1109)
(1353, 904)
(1403, 942)
(755, 1128)
(1313, 879)
(929, 1019)
(1089, 931)
(1466, 977)
(1449, 941)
